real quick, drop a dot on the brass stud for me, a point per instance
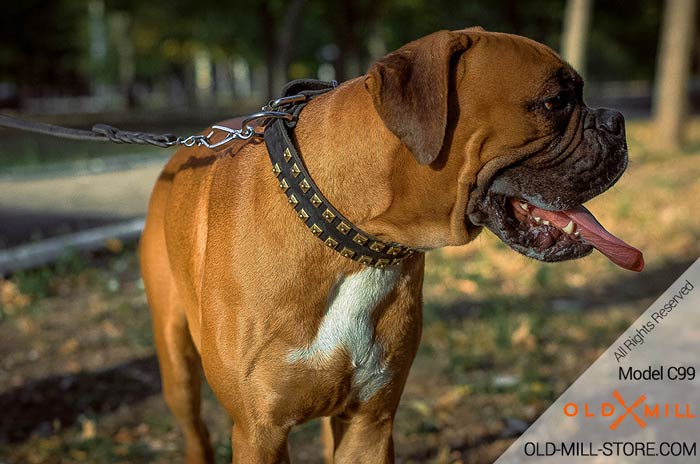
(293, 200)
(276, 169)
(343, 228)
(316, 230)
(377, 246)
(304, 185)
(315, 200)
(347, 252)
(284, 185)
(295, 170)
(396, 261)
(359, 239)
(330, 243)
(328, 215)
(287, 154)
(365, 260)
(303, 216)
(393, 251)
(381, 263)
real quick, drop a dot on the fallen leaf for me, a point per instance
(124, 436)
(11, 299)
(110, 329)
(26, 325)
(421, 407)
(452, 397)
(78, 455)
(73, 367)
(69, 346)
(466, 286)
(114, 245)
(89, 430)
(522, 337)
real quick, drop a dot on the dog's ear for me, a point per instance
(409, 88)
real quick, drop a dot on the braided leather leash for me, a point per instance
(276, 109)
(99, 133)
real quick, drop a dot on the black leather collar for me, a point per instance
(310, 205)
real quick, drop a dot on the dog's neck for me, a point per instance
(375, 181)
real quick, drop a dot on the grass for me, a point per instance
(503, 337)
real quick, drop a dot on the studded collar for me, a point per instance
(315, 211)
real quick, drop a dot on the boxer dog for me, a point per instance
(451, 133)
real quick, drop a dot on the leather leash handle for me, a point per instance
(99, 133)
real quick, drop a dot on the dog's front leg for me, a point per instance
(363, 439)
(257, 443)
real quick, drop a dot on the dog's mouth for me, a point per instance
(555, 235)
(536, 205)
(566, 234)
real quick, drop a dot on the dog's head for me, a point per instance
(509, 112)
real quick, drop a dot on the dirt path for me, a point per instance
(115, 193)
(33, 208)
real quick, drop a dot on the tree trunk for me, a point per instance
(672, 72)
(575, 33)
(357, 34)
(97, 29)
(120, 28)
(345, 19)
(278, 48)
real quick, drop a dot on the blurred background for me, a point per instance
(504, 335)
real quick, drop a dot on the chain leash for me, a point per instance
(275, 109)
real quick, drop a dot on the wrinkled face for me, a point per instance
(507, 114)
(548, 152)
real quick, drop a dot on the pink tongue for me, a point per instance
(593, 232)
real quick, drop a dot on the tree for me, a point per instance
(575, 33)
(353, 22)
(41, 46)
(278, 46)
(672, 72)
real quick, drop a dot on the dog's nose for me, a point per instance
(610, 120)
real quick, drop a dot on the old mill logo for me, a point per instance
(638, 411)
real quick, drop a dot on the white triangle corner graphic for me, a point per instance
(608, 416)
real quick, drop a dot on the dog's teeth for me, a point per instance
(569, 227)
(537, 219)
(525, 206)
(545, 222)
(577, 234)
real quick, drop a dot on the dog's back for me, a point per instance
(173, 242)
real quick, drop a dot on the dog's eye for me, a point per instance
(558, 102)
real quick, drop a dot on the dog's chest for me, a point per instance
(348, 325)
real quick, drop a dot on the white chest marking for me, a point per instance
(348, 325)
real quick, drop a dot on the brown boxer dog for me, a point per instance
(452, 132)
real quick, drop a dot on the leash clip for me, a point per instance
(283, 101)
(205, 140)
(245, 133)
